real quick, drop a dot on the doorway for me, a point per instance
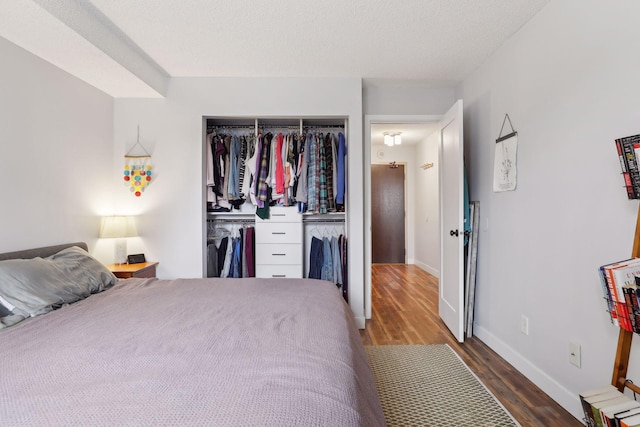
(414, 130)
(388, 213)
(447, 138)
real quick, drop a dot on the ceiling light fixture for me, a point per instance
(392, 138)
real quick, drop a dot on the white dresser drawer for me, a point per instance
(279, 232)
(282, 271)
(278, 254)
(281, 214)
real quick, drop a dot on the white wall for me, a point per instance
(55, 154)
(171, 209)
(569, 81)
(406, 97)
(427, 206)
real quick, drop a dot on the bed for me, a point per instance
(213, 352)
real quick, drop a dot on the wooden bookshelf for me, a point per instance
(621, 364)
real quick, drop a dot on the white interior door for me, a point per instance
(451, 298)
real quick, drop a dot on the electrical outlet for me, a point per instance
(574, 353)
(524, 325)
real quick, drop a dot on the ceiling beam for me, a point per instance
(90, 23)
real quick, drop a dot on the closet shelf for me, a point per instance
(234, 215)
(327, 217)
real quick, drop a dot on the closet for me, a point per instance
(275, 187)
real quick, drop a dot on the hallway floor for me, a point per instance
(405, 311)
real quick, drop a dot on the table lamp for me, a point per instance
(119, 228)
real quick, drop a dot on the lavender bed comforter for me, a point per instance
(212, 352)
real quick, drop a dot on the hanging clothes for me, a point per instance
(244, 150)
(226, 266)
(250, 248)
(231, 252)
(233, 189)
(313, 176)
(328, 155)
(212, 260)
(329, 163)
(345, 275)
(279, 169)
(226, 168)
(292, 165)
(253, 166)
(322, 177)
(303, 170)
(342, 152)
(225, 183)
(337, 264)
(316, 258)
(210, 174)
(218, 165)
(262, 190)
(334, 151)
(327, 260)
(235, 267)
(222, 253)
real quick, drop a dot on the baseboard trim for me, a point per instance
(556, 391)
(360, 322)
(433, 271)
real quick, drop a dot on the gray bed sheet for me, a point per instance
(211, 352)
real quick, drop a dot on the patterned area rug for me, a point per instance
(429, 385)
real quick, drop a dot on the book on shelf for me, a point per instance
(593, 401)
(618, 275)
(608, 413)
(590, 394)
(605, 405)
(631, 298)
(625, 275)
(633, 421)
(625, 171)
(608, 297)
(625, 414)
(628, 146)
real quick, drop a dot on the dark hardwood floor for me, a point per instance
(405, 311)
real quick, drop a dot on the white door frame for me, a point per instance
(368, 121)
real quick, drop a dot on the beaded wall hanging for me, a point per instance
(138, 170)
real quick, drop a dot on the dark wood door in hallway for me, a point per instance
(387, 214)
(405, 311)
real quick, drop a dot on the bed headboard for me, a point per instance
(41, 252)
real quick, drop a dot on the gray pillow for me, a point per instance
(85, 269)
(30, 287)
(4, 311)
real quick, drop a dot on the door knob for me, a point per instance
(453, 233)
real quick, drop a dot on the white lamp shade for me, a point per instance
(118, 227)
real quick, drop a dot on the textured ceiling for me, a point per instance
(441, 40)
